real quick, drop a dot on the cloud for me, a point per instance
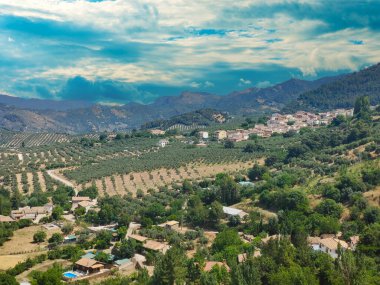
(80, 88)
(263, 84)
(122, 47)
(243, 82)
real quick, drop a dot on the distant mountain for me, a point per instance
(329, 92)
(342, 92)
(42, 104)
(250, 99)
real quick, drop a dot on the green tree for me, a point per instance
(295, 274)
(52, 276)
(257, 172)
(39, 237)
(229, 144)
(7, 279)
(55, 239)
(362, 108)
(329, 207)
(171, 268)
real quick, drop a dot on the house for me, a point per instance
(6, 219)
(84, 202)
(125, 264)
(139, 260)
(89, 266)
(70, 239)
(157, 132)
(163, 143)
(328, 245)
(229, 211)
(32, 213)
(203, 135)
(172, 225)
(156, 246)
(138, 238)
(209, 265)
(220, 135)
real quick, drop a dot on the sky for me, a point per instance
(119, 51)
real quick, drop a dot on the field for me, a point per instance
(122, 184)
(21, 246)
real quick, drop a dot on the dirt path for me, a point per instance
(61, 179)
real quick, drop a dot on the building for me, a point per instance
(32, 213)
(125, 264)
(220, 135)
(88, 265)
(229, 211)
(328, 245)
(156, 246)
(203, 135)
(163, 143)
(157, 132)
(84, 202)
(171, 225)
(6, 219)
(138, 238)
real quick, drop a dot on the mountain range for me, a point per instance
(37, 115)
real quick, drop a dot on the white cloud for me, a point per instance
(263, 84)
(243, 82)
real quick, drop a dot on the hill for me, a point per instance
(342, 92)
(203, 117)
(42, 104)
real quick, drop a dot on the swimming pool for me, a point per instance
(70, 275)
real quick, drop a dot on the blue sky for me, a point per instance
(118, 51)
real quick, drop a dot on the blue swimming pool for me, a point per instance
(70, 275)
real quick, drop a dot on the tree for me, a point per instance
(7, 279)
(39, 237)
(226, 238)
(67, 228)
(171, 268)
(329, 207)
(52, 276)
(362, 108)
(228, 188)
(257, 172)
(372, 215)
(57, 213)
(55, 239)
(215, 213)
(124, 249)
(295, 274)
(229, 144)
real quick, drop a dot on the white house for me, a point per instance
(328, 245)
(163, 143)
(229, 211)
(203, 135)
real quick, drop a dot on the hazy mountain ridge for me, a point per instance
(343, 92)
(328, 92)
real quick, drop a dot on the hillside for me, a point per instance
(342, 93)
(42, 104)
(203, 117)
(294, 94)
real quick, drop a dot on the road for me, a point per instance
(61, 179)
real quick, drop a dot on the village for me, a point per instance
(276, 124)
(90, 266)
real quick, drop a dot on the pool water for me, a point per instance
(70, 275)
